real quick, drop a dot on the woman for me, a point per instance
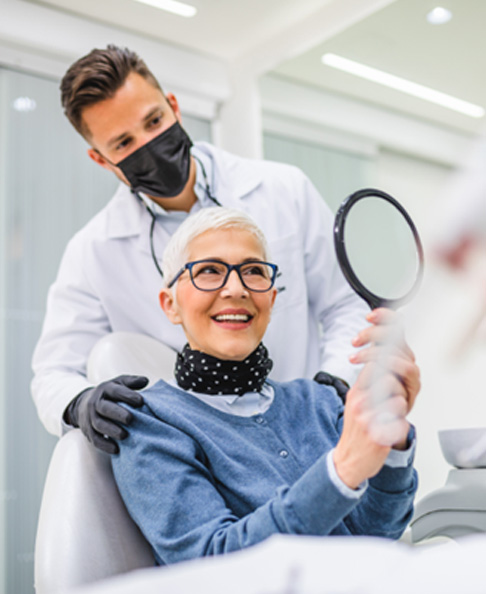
(224, 457)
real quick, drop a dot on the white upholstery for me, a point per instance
(127, 352)
(85, 533)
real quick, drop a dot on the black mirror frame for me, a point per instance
(371, 298)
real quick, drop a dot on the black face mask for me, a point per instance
(161, 167)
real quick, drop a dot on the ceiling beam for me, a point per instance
(330, 19)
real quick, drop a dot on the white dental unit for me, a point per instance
(459, 507)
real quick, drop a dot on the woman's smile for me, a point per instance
(233, 319)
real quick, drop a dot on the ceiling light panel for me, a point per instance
(173, 6)
(403, 85)
(439, 16)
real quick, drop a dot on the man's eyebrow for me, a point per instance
(152, 112)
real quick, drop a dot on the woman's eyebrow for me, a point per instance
(244, 261)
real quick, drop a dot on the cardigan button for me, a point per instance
(283, 453)
(259, 420)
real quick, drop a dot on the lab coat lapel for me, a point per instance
(125, 214)
(232, 178)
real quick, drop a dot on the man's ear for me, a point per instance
(98, 158)
(167, 303)
(172, 100)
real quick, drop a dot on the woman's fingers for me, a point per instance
(381, 367)
(386, 329)
(387, 423)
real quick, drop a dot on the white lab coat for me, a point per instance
(108, 282)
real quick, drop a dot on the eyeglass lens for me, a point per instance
(255, 276)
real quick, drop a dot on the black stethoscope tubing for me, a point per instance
(154, 216)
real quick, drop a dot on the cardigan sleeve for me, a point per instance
(169, 490)
(386, 508)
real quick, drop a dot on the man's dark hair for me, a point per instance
(96, 77)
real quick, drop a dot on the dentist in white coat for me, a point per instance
(109, 280)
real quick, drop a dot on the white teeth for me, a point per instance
(232, 318)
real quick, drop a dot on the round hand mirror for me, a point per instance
(378, 248)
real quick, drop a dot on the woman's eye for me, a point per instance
(254, 270)
(209, 269)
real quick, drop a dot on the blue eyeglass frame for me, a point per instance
(237, 267)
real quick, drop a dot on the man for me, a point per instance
(109, 276)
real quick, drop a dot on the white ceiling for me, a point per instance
(396, 38)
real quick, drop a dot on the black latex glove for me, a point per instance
(96, 412)
(322, 377)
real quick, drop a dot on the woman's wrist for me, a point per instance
(346, 471)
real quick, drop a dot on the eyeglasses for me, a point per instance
(211, 275)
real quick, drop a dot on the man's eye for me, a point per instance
(155, 121)
(123, 144)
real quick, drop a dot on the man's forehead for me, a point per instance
(129, 108)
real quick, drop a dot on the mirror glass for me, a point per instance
(381, 248)
(378, 248)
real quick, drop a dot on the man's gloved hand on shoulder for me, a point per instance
(99, 416)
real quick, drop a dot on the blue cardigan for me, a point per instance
(199, 481)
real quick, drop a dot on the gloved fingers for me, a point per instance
(113, 412)
(322, 377)
(341, 388)
(105, 444)
(120, 393)
(135, 382)
(107, 428)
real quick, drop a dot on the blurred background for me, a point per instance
(275, 79)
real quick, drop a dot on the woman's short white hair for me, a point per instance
(207, 219)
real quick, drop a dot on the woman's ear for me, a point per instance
(168, 304)
(272, 302)
(274, 296)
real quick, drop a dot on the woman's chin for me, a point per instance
(234, 352)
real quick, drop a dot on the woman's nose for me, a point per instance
(233, 285)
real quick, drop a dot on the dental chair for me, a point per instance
(458, 508)
(84, 532)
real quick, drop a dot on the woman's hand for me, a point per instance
(386, 346)
(379, 401)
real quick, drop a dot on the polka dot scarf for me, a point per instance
(203, 373)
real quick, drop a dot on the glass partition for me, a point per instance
(335, 173)
(48, 189)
